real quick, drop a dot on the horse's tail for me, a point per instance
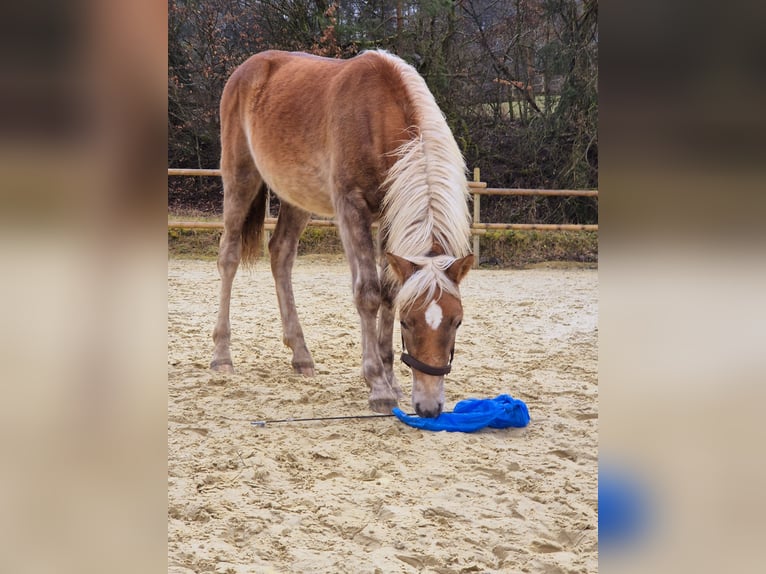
(253, 227)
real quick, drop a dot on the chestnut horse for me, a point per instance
(363, 140)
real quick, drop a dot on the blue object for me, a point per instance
(623, 507)
(471, 415)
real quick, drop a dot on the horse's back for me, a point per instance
(298, 91)
(304, 117)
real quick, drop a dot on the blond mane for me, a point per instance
(426, 193)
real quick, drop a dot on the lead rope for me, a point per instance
(294, 420)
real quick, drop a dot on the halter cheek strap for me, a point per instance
(413, 363)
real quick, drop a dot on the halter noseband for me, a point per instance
(413, 363)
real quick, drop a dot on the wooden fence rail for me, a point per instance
(197, 172)
(477, 189)
(545, 192)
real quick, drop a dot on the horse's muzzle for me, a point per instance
(429, 412)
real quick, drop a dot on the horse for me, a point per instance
(362, 140)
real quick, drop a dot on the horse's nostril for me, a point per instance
(428, 413)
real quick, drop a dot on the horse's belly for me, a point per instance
(307, 198)
(305, 185)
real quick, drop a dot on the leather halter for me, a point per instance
(413, 363)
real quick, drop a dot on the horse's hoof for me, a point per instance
(383, 406)
(305, 370)
(222, 366)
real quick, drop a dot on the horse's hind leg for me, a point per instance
(283, 248)
(242, 183)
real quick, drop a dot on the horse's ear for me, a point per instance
(402, 268)
(459, 268)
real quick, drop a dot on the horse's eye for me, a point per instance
(404, 325)
(458, 324)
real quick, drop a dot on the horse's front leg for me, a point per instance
(354, 224)
(376, 368)
(283, 247)
(386, 330)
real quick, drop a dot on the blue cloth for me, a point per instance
(624, 507)
(473, 414)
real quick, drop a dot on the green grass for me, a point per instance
(516, 249)
(513, 248)
(193, 243)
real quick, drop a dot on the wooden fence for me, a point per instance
(477, 189)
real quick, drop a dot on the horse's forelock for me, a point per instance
(428, 282)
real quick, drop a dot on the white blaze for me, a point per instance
(434, 315)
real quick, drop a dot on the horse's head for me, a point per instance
(430, 312)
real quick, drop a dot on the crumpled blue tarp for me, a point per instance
(471, 415)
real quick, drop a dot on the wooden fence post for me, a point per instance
(476, 210)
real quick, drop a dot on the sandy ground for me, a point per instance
(374, 495)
